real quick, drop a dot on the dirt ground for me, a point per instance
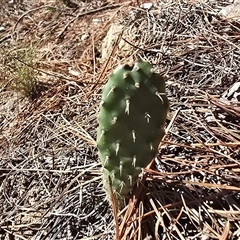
(55, 56)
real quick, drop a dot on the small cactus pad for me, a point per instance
(132, 115)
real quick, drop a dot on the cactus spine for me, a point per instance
(132, 115)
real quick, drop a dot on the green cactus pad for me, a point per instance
(131, 119)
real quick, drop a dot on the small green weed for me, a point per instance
(25, 81)
(22, 65)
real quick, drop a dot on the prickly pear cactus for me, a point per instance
(131, 119)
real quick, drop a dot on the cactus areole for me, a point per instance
(132, 115)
